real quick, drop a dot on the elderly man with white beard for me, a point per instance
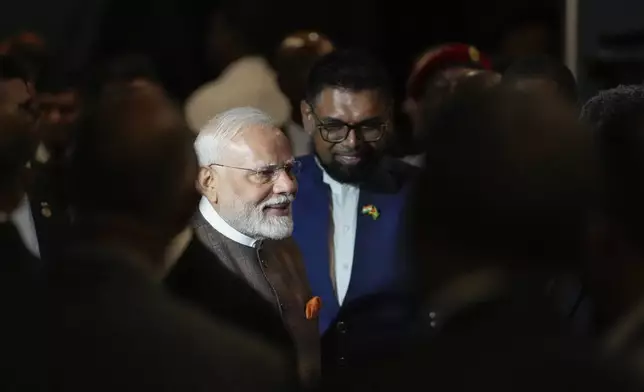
(247, 182)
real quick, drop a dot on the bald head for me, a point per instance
(134, 157)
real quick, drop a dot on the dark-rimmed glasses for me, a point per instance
(336, 131)
(270, 173)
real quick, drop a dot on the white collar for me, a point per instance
(218, 223)
(42, 154)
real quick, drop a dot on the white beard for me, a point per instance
(251, 220)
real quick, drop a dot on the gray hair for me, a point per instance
(224, 127)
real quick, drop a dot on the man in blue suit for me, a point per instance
(349, 209)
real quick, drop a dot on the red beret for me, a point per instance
(442, 57)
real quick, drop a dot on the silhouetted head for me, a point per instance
(542, 75)
(508, 180)
(294, 59)
(134, 162)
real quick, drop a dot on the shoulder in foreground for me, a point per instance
(401, 168)
(392, 176)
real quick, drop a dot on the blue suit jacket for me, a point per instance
(377, 263)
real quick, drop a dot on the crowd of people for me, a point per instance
(279, 231)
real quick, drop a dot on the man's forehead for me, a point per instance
(340, 103)
(260, 145)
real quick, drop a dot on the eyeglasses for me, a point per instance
(270, 173)
(337, 131)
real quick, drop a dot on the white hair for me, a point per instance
(224, 127)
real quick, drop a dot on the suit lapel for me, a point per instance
(377, 263)
(47, 210)
(312, 225)
(42, 215)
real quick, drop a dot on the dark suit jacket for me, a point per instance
(379, 270)
(507, 339)
(275, 271)
(199, 277)
(20, 304)
(49, 209)
(17, 261)
(111, 327)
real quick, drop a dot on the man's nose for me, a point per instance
(352, 139)
(285, 183)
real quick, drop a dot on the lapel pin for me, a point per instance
(371, 210)
(313, 307)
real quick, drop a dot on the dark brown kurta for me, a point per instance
(276, 271)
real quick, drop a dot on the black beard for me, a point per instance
(355, 175)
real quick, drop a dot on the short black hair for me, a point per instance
(353, 70)
(508, 176)
(617, 118)
(128, 67)
(123, 164)
(544, 67)
(12, 67)
(55, 78)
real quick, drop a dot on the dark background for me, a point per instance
(171, 31)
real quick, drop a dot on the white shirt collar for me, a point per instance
(219, 224)
(23, 220)
(42, 154)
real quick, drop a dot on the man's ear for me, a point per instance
(207, 184)
(307, 117)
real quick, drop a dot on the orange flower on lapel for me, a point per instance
(313, 308)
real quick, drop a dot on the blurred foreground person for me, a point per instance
(432, 81)
(500, 211)
(617, 257)
(542, 75)
(19, 269)
(247, 182)
(294, 58)
(111, 325)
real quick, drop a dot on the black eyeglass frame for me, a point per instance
(324, 131)
(291, 168)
